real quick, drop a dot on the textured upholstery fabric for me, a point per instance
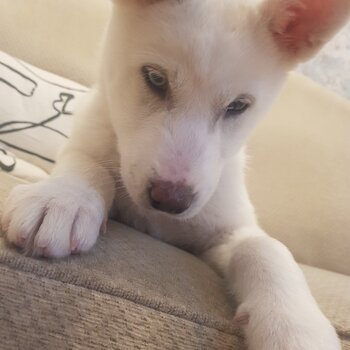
(134, 290)
(68, 317)
(131, 265)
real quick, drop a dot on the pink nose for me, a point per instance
(172, 198)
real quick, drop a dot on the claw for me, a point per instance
(241, 319)
(21, 241)
(42, 244)
(74, 246)
(45, 252)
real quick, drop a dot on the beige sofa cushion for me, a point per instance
(62, 36)
(132, 292)
(299, 174)
(56, 316)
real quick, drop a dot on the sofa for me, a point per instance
(134, 292)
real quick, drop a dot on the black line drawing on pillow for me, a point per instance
(17, 81)
(27, 151)
(60, 106)
(26, 83)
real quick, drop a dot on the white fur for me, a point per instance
(213, 51)
(54, 218)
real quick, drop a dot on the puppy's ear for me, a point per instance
(301, 27)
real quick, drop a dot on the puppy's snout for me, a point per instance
(172, 198)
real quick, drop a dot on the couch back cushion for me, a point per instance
(62, 36)
(299, 174)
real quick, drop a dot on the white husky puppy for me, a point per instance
(159, 145)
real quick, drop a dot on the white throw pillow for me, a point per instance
(36, 112)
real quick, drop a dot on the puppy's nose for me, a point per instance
(172, 198)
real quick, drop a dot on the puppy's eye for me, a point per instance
(156, 79)
(239, 106)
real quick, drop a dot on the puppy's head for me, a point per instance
(188, 80)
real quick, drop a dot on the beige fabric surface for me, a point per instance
(130, 277)
(41, 313)
(131, 265)
(299, 174)
(68, 317)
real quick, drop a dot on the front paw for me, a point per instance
(53, 218)
(287, 328)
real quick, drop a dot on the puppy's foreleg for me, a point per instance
(276, 307)
(64, 214)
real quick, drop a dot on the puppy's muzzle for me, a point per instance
(171, 198)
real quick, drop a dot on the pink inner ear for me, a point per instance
(296, 25)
